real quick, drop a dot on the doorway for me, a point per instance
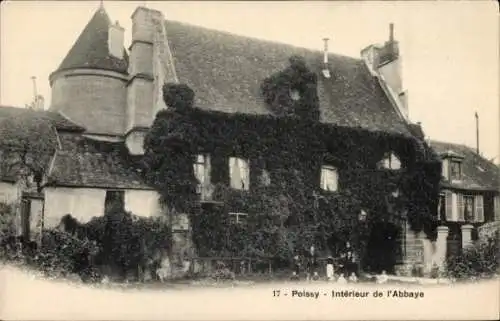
(384, 249)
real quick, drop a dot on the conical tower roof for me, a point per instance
(91, 48)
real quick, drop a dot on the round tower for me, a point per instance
(90, 85)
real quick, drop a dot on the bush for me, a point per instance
(7, 220)
(61, 253)
(118, 240)
(478, 261)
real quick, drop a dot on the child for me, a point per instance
(383, 278)
(341, 279)
(353, 278)
(315, 276)
(329, 268)
(295, 276)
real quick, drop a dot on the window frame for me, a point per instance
(245, 179)
(327, 168)
(237, 216)
(451, 174)
(469, 217)
(108, 201)
(204, 166)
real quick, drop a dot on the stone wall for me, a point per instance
(94, 99)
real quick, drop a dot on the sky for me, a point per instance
(449, 49)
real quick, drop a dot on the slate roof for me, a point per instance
(478, 172)
(25, 129)
(91, 48)
(25, 117)
(226, 70)
(84, 162)
(94, 170)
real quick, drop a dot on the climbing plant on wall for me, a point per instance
(290, 212)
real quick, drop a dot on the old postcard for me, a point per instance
(304, 160)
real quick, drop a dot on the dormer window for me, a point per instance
(455, 170)
(390, 161)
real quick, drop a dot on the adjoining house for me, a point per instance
(470, 195)
(105, 98)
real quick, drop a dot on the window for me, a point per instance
(496, 207)
(468, 208)
(479, 209)
(239, 173)
(294, 94)
(265, 178)
(329, 178)
(202, 172)
(390, 161)
(455, 170)
(114, 200)
(238, 218)
(441, 212)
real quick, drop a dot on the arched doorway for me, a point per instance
(383, 249)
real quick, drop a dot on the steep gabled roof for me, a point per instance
(22, 129)
(478, 172)
(226, 71)
(83, 162)
(25, 116)
(91, 48)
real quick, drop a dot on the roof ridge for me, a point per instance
(268, 41)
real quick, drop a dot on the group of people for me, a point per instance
(347, 266)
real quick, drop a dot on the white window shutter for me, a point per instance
(496, 206)
(479, 209)
(208, 169)
(450, 205)
(445, 169)
(460, 207)
(245, 174)
(395, 162)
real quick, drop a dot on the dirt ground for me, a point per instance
(25, 297)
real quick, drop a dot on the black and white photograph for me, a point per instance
(249, 160)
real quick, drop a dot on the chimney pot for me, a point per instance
(325, 52)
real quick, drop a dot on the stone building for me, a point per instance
(105, 98)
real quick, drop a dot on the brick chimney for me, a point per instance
(384, 62)
(116, 35)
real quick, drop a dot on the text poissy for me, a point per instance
(305, 294)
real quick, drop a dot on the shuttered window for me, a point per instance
(449, 205)
(469, 209)
(479, 209)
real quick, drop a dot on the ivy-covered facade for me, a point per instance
(273, 185)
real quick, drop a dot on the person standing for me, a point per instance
(311, 262)
(329, 268)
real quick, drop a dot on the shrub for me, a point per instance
(7, 220)
(478, 261)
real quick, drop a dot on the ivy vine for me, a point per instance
(291, 212)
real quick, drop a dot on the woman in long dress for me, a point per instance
(329, 268)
